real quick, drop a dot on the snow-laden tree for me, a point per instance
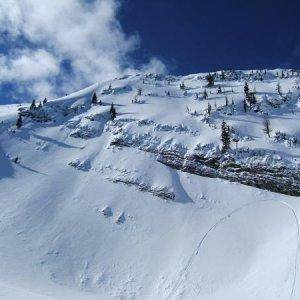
(225, 137)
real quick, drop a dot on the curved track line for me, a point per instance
(192, 257)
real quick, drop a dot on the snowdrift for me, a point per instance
(96, 208)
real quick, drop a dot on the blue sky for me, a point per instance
(195, 35)
(49, 48)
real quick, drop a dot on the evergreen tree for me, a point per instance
(225, 137)
(32, 106)
(208, 108)
(245, 105)
(219, 90)
(94, 98)
(139, 91)
(266, 127)
(16, 159)
(112, 111)
(112, 107)
(246, 88)
(19, 121)
(205, 94)
(113, 114)
(45, 101)
(40, 105)
(226, 101)
(210, 80)
(278, 88)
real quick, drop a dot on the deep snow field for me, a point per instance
(82, 217)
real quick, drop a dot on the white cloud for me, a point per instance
(28, 65)
(155, 66)
(87, 34)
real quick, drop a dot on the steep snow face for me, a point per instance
(84, 217)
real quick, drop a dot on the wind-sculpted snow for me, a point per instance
(81, 165)
(260, 168)
(144, 204)
(88, 126)
(132, 179)
(82, 94)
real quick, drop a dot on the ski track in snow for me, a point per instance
(223, 219)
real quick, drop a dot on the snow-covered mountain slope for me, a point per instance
(147, 206)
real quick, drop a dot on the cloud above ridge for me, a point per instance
(51, 46)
